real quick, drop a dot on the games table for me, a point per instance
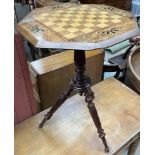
(78, 27)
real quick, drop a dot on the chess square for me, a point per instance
(93, 12)
(96, 22)
(87, 30)
(62, 24)
(58, 29)
(72, 30)
(102, 25)
(103, 13)
(88, 25)
(103, 20)
(79, 15)
(90, 20)
(116, 16)
(65, 19)
(104, 16)
(81, 12)
(91, 16)
(67, 15)
(69, 35)
(77, 20)
(116, 21)
(49, 23)
(76, 24)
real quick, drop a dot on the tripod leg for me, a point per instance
(89, 96)
(58, 103)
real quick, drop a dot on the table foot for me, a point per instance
(89, 96)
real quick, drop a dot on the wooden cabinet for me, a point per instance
(122, 4)
(50, 76)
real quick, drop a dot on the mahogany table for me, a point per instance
(78, 27)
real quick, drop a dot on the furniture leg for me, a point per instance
(89, 96)
(59, 102)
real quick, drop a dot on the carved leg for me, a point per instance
(89, 99)
(59, 102)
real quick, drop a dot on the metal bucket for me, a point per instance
(133, 70)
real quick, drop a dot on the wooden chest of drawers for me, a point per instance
(50, 76)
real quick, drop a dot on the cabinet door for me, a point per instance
(24, 102)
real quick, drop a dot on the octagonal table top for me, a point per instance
(77, 26)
